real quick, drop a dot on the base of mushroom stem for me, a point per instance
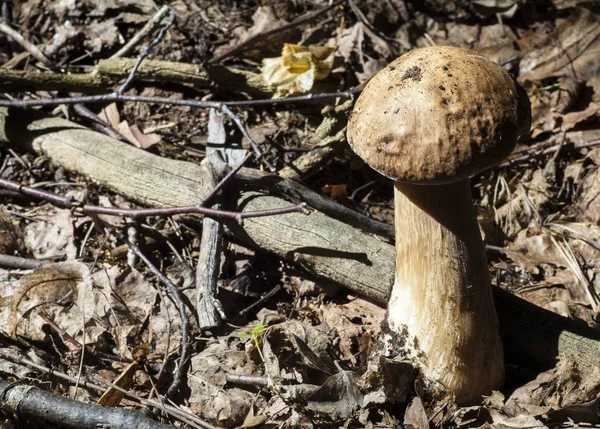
(391, 381)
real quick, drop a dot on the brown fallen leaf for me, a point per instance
(63, 290)
(113, 397)
(555, 394)
(564, 49)
(110, 115)
(339, 397)
(133, 134)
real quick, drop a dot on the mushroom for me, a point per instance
(429, 120)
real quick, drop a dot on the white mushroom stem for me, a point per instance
(441, 312)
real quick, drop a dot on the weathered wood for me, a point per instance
(210, 310)
(323, 246)
(316, 159)
(174, 72)
(22, 80)
(108, 73)
(209, 262)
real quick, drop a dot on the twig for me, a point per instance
(146, 51)
(552, 149)
(109, 73)
(251, 380)
(29, 47)
(223, 106)
(237, 120)
(25, 164)
(114, 97)
(133, 213)
(146, 29)
(263, 298)
(175, 294)
(299, 21)
(573, 264)
(188, 418)
(225, 179)
(97, 123)
(316, 158)
(8, 261)
(361, 188)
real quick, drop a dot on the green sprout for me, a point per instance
(549, 88)
(254, 337)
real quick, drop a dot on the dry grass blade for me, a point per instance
(573, 265)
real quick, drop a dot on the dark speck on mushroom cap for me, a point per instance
(438, 115)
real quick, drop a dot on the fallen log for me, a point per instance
(322, 245)
(110, 72)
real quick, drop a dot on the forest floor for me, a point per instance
(288, 342)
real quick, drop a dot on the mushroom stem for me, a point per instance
(441, 311)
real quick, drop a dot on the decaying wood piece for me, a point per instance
(323, 246)
(332, 133)
(210, 311)
(109, 72)
(50, 81)
(174, 72)
(316, 159)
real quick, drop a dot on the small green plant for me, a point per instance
(537, 91)
(253, 335)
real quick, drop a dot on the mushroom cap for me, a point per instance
(438, 115)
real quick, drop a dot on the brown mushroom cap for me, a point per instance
(438, 115)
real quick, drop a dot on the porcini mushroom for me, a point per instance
(429, 120)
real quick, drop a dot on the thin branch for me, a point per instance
(146, 51)
(114, 97)
(27, 403)
(224, 181)
(262, 299)
(98, 124)
(299, 21)
(29, 47)
(247, 380)
(222, 106)
(8, 261)
(532, 153)
(68, 202)
(175, 294)
(242, 127)
(208, 307)
(146, 29)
